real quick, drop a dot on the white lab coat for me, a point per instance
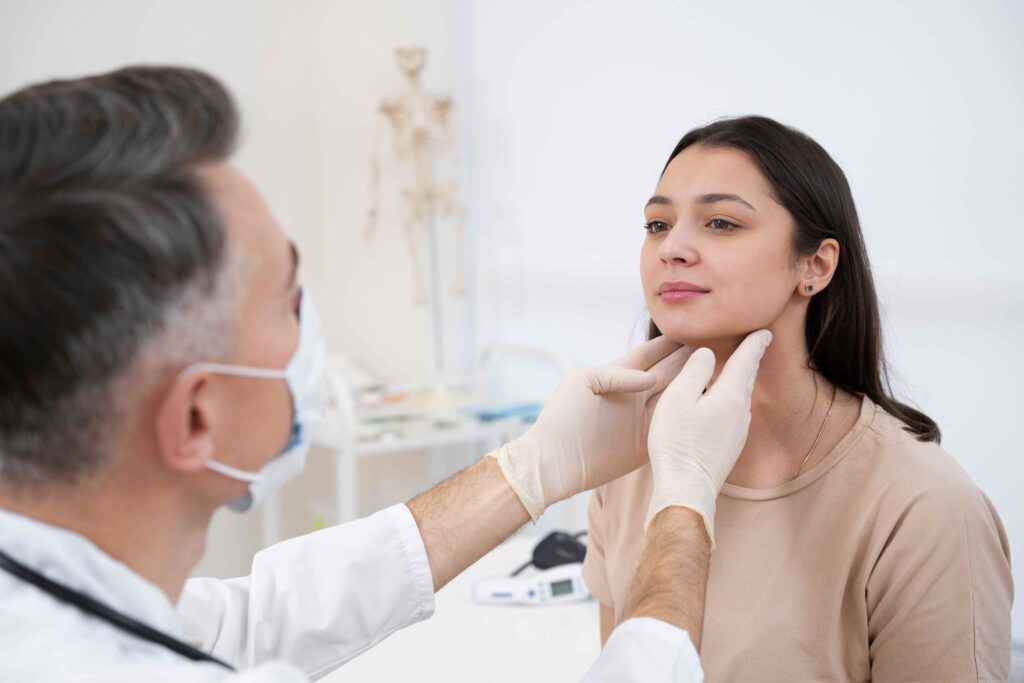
(309, 605)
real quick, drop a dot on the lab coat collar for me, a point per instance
(76, 562)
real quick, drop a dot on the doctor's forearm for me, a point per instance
(465, 517)
(672, 577)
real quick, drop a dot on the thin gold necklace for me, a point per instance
(820, 432)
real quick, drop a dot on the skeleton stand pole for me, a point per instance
(437, 320)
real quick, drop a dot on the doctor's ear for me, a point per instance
(184, 438)
(816, 270)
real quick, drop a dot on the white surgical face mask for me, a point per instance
(306, 378)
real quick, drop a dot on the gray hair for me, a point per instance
(113, 260)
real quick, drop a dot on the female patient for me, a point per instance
(849, 545)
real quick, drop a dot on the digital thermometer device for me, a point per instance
(563, 583)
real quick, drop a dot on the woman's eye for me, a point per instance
(656, 226)
(722, 225)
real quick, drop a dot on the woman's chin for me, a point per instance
(697, 337)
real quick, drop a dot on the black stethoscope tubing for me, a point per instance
(97, 609)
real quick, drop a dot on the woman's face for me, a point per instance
(717, 262)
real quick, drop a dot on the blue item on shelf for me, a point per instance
(489, 412)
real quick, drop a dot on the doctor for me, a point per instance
(159, 360)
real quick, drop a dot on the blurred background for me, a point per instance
(562, 115)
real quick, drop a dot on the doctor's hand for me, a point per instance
(696, 436)
(593, 429)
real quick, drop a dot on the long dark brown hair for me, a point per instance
(843, 330)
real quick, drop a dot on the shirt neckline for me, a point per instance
(75, 561)
(868, 410)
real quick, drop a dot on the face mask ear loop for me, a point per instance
(228, 471)
(236, 370)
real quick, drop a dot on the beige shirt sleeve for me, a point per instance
(939, 594)
(595, 572)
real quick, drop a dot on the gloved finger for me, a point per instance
(647, 354)
(652, 402)
(694, 377)
(610, 378)
(741, 368)
(668, 368)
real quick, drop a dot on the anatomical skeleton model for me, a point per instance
(421, 127)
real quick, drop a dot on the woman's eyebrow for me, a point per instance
(658, 199)
(704, 199)
(723, 197)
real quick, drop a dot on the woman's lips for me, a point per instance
(680, 295)
(680, 291)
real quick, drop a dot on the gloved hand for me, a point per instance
(696, 437)
(592, 430)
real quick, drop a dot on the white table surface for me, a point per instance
(466, 641)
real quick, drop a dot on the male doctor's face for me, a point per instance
(241, 422)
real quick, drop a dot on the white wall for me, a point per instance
(576, 106)
(307, 75)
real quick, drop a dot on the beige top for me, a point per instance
(883, 562)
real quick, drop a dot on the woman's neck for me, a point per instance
(788, 409)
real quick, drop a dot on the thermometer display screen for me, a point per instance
(561, 587)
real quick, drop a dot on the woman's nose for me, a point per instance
(678, 246)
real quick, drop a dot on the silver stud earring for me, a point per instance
(808, 288)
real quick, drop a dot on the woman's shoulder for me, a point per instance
(905, 470)
(627, 493)
(937, 558)
(898, 452)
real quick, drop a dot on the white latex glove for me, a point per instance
(696, 437)
(592, 430)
